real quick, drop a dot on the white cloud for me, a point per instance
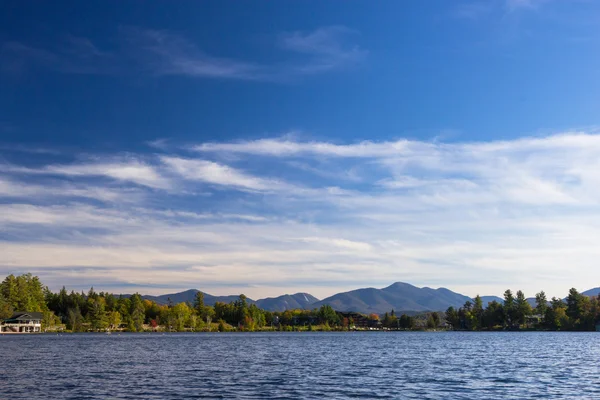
(475, 217)
(10, 188)
(128, 170)
(285, 147)
(217, 174)
(339, 243)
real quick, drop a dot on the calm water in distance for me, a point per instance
(403, 365)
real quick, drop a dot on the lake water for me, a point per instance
(405, 365)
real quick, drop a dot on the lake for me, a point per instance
(406, 365)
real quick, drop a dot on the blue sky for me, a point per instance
(275, 147)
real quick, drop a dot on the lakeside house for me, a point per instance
(22, 322)
(360, 321)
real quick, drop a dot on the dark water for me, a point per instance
(444, 365)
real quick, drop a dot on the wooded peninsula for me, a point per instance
(105, 312)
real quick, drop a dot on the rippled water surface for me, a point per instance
(436, 365)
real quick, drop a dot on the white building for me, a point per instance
(22, 322)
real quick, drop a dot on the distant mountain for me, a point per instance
(189, 296)
(281, 303)
(399, 297)
(287, 302)
(488, 299)
(532, 302)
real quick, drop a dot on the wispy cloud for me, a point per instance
(129, 170)
(14, 189)
(170, 54)
(328, 48)
(468, 215)
(287, 147)
(165, 53)
(217, 174)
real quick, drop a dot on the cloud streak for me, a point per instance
(165, 53)
(218, 174)
(473, 216)
(128, 170)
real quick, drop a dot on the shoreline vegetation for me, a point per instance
(105, 312)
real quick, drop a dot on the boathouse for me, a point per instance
(22, 322)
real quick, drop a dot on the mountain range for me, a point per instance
(280, 303)
(400, 296)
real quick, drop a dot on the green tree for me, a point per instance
(137, 312)
(49, 320)
(493, 316)
(522, 308)
(5, 309)
(199, 305)
(210, 315)
(452, 318)
(509, 308)
(477, 313)
(431, 322)
(8, 289)
(327, 315)
(181, 314)
(406, 322)
(222, 327)
(436, 319)
(74, 319)
(541, 303)
(24, 293)
(114, 319)
(97, 313)
(556, 318)
(576, 307)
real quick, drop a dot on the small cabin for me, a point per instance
(22, 322)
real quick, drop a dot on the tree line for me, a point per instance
(575, 313)
(101, 311)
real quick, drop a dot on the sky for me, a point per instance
(280, 147)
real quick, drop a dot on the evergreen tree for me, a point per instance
(97, 314)
(452, 318)
(576, 307)
(509, 308)
(137, 313)
(5, 309)
(541, 303)
(477, 312)
(522, 308)
(199, 305)
(74, 319)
